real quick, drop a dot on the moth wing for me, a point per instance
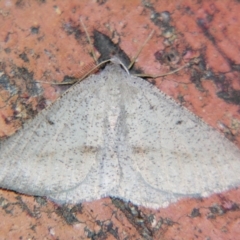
(173, 150)
(57, 149)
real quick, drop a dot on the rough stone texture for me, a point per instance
(43, 41)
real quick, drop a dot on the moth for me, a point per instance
(115, 134)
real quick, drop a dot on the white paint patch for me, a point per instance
(117, 135)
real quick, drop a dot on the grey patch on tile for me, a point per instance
(67, 214)
(5, 84)
(195, 213)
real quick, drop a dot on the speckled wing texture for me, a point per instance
(117, 135)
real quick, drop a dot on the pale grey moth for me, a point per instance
(117, 135)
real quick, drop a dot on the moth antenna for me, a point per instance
(164, 74)
(140, 49)
(116, 60)
(89, 41)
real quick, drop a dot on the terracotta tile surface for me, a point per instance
(43, 41)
